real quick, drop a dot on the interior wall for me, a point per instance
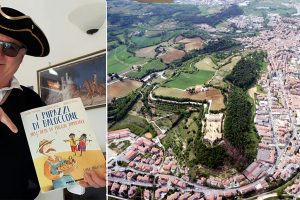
(67, 42)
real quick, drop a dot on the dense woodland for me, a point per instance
(246, 71)
(212, 157)
(239, 132)
(238, 116)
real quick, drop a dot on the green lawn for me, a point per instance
(151, 65)
(120, 59)
(185, 80)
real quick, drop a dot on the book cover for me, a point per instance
(62, 144)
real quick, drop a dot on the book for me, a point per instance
(62, 144)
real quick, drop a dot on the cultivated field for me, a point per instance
(152, 33)
(212, 94)
(147, 52)
(171, 55)
(206, 64)
(192, 43)
(178, 38)
(121, 89)
(185, 80)
(167, 24)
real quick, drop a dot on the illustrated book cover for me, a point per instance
(62, 144)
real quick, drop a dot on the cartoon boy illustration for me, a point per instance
(82, 143)
(72, 141)
(54, 166)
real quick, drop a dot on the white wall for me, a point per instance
(66, 41)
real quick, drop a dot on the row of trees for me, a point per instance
(178, 99)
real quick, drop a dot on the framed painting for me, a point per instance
(83, 77)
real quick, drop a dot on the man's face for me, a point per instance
(9, 65)
(48, 150)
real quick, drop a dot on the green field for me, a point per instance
(144, 41)
(120, 59)
(185, 80)
(209, 10)
(137, 125)
(275, 6)
(206, 64)
(150, 66)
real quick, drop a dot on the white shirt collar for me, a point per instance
(13, 84)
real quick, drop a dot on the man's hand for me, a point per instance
(7, 121)
(92, 179)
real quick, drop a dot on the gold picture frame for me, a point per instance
(83, 77)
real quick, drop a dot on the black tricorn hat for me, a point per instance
(21, 27)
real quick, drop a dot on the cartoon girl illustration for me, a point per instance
(82, 143)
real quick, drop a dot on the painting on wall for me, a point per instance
(82, 77)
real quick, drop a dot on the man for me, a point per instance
(20, 36)
(53, 166)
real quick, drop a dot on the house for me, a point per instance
(159, 193)
(131, 154)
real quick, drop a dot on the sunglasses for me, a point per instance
(10, 49)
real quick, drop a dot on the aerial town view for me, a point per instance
(203, 99)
